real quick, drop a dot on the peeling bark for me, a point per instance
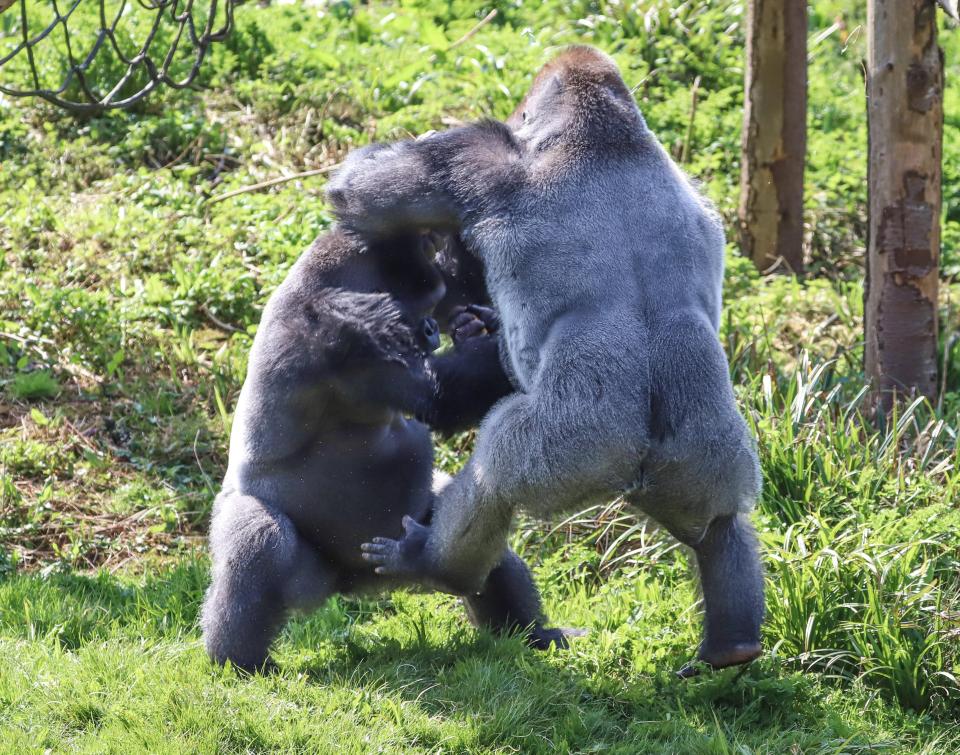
(905, 114)
(774, 134)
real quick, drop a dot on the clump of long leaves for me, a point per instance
(844, 601)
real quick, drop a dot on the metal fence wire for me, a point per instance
(88, 56)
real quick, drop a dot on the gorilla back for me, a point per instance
(323, 454)
(605, 265)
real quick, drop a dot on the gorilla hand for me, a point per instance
(472, 321)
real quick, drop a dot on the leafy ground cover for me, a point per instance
(128, 299)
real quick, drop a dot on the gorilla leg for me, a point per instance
(700, 478)
(701, 511)
(261, 570)
(510, 602)
(732, 581)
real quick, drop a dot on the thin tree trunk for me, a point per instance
(905, 115)
(774, 134)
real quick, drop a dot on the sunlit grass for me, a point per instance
(128, 302)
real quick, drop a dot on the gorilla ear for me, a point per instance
(546, 87)
(618, 88)
(549, 88)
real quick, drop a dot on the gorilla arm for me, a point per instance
(433, 182)
(471, 378)
(552, 449)
(370, 352)
(469, 382)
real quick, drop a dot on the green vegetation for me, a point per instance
(127, 304)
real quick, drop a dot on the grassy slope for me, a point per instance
(122, 291)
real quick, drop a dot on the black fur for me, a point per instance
(323, 454)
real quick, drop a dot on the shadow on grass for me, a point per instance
(498, 688)
(505, 690)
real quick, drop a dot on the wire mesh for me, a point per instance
(88, 56)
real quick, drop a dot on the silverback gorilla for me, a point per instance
(605, 265)
(322, 456)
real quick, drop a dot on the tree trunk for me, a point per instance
(905, 116)
(774, 134)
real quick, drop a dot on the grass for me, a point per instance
(127, 307)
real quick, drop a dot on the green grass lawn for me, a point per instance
(127, 306)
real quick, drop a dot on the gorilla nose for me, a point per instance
(429, 334)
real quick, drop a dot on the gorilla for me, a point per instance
(605, 265)
(324, 454)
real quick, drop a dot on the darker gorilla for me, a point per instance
(323, 455)
(605, 265)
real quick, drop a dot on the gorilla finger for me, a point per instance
(489, 316)
(468, 331)
(378, 545)
(484, 313)
(462, 319)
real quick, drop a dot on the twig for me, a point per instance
(825, 324)
(319, 171)
(83, 439)
(273, 182)
(196, 456)
(26, 341)
(218, 322)
(685, 148)
(483, 22)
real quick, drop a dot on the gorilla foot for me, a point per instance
(407, 559)
(541, 638)
(734, 655)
